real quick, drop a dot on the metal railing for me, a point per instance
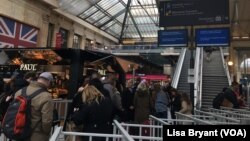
(197, 78)
(177, 73)
(225, 67)
(62, 107)
(60, 135)
(229, 113)
(216, 118)
(190, 119)
(200, 77)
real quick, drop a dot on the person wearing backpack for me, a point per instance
(41, 108)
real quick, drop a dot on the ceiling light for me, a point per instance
(236, 37)
(230, 63)
(245, 37)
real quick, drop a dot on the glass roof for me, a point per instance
(141, 21)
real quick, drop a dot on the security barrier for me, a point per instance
(152, 129)
(121, 134)
(62, 107)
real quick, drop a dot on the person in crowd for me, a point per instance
(127, 102)
(109, 83)
(208, 51)
(175, 104)
(99, 85)
(19, 82)
(1, 85)
(30, 76)
(242, 101)
(96, 113)
(41, 107)
(186, 106)
(142, 103)
(136, 83)
(77, 100)
(10, 88)
(232, 96)
(161, 102)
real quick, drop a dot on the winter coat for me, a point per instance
(96, 118)
(127, 102)
(143, 105)
(41, 112)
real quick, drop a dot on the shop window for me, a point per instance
(64, 34)
(76, 41)
(50, 35)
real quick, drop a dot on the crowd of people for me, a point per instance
(99, 101)
(41, 105)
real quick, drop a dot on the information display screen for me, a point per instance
(193, 12)
(212, 37)
(173, 38)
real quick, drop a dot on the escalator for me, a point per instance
(180, 79)
(214, 77)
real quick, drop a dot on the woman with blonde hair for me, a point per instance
(96, 112)
(142, 103)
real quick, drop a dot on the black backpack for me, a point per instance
(16, 124)
(217, 101)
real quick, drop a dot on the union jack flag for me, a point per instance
(15, 34)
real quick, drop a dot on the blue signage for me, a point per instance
(212, 37)
(173, 38)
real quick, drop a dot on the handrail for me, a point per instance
(196, 77)
(123, 131)
(177, 73)
(200, 76)
(191, 117)
(159, 120)
(225, 67)
(216, 116)
(56, 134)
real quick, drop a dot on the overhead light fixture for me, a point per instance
(236, 37)
(230, 63)
(245, 37)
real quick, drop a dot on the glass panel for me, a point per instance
(143, 20)
(105, 4)
(115, 9)
(108, 25)
(115, 30)
(125, 1)
(74, 7)
(96, 16)
(102, 21)
(121, 18)
(88, 12)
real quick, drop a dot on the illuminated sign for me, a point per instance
(212, 37)
(173, 38)
(193, 12)
(28, 67)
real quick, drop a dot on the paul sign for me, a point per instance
(28, 67)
